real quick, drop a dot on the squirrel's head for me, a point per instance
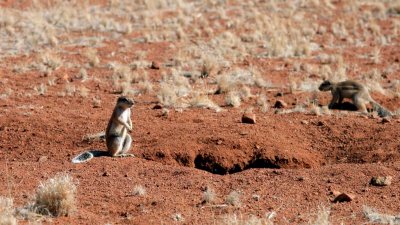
(125, 102)
(325, 86)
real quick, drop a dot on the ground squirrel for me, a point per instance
(118, 140)
(357, 92)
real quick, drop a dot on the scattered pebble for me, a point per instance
(381, 181)
(344, 197)
(321, 123)
(42, 159)
(155, 66)
(249, 118)
(106, 174)
(157, 106)
(385, 120)
(256, 197)
(279, 104)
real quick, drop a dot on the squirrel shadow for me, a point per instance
(345, 106)
(88, 155)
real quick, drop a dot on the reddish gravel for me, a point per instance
(293, 162)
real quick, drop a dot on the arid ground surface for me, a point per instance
(289, 165)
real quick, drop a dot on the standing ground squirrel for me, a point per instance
(118, 140)
(357, 92)
(117, 137)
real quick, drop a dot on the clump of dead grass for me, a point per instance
(56, 196)
(139, 190)
(232, 98)
(91, 55)
(262, 102)
(233, 198)
(322, 216)
(379, 218)
(7, 211)
(203, 101)
(208, 195)
(234, 219)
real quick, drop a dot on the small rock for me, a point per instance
(157, 106)
(381, 181)
(155, 66)
(305, 122)
(320, 123)
(197, 120)
(279, 94)
(256, 197)
(385, 120)
(366, 189)
(219, 142)
(243, 133)
(249, 118)
(336, 193)
(165, 112)
(106, 174)
(42, 159)
(279, 104)
(344, 197)
(126, 215)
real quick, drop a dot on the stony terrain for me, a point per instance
(193, 70)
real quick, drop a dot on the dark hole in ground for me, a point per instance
(210, 164)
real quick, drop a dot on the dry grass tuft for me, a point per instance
(139, 190)
(322, 216)
(96, 101)
(202, 101)
(262, 102)
(315, 110)
(208, 195)
(234, 219)
(56, 196)
(41, 89)
(173, 88)
(178, 217)
(91, 55)
(49, 62)
(233, 198)
(7, 211)
(232, 98)
(167, 96)
(377, 218)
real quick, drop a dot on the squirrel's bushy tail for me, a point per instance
(83, 157)
(88, 155)
(382, 111)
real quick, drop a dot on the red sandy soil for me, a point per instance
(294, 162)
(309, 157)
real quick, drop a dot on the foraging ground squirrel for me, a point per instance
(118, 140)
(355, 91)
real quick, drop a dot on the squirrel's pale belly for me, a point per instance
(119, 129)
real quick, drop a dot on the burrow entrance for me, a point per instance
(210, 164)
